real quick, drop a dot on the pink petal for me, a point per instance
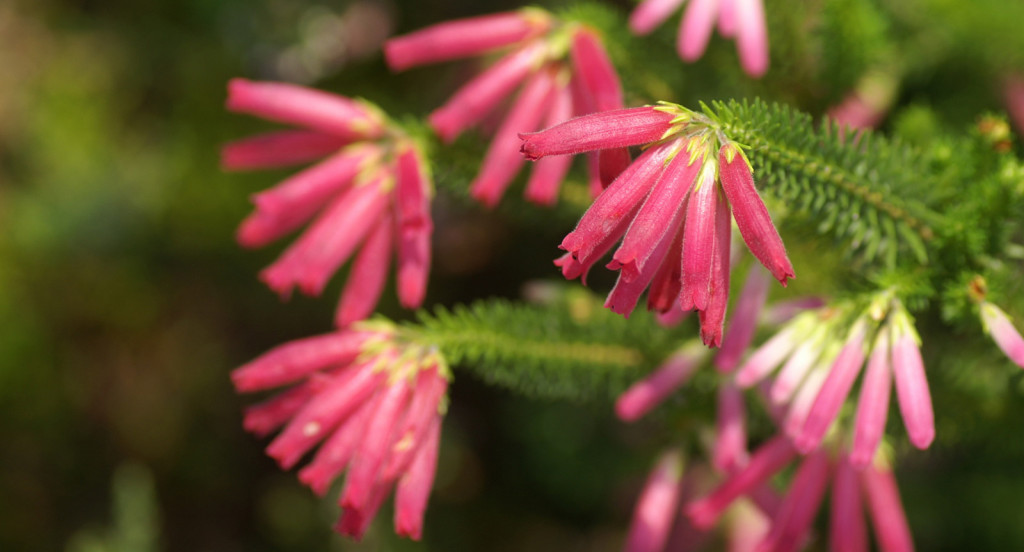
(667, 283)
(604, 130)
(699, 244)
(712, 319)
(596, 73)
(751, 215)
(834, 390)
(649, 392)
(354, 520)
(787, 381)
(413, 489)
(324, 412)
(423, 409)
(768, 459)
(768, 356)
(415, 227)
(912, 390)
(548, 173)
(655, 509)
(366, 279)
(796, 416)
(297, 359)
(479, 96)
(751, 37)
(729, 453)
(660, 215)
(329, 241)
(334, 454)
(744, 319)
(727, 18)
(887, 515)
(1002, 331)
(265, 417)
(848, 532)
(295, 200)
(502, 161)
(462, 38)
(616, 206)
(306, 107)
(873, 406)
(791, 525)
(651, 13)
(369, 459)
(624, 296)
(278, 149)
(1013, 96)
(695, 28)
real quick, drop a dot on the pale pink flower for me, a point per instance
(557, 81)
(847, 531)
(742, 19)
(873, 405)
(369, 199)
(771, 457)
(885, 508)
(729, 452)
(372, 404)
(744, 321)
(649, 392)
(912, 393)
(1002, 331)
(669, 208)
(655, 510)
(1013, 95)
(792, 522)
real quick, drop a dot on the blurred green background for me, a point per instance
(124, 301)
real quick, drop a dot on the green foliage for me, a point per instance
(860, 188)
(570, 349)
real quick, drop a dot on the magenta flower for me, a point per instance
(371, 194)
(742, 19)
(374, 406)
(655, 510)
(672, 208)
(560, 68)
(1013, 96)
(1002, 331)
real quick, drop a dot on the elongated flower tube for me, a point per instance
(912, 392)
(672, 206)
(644, 395)
(873, 405)
(847, 531)
(771, 457)
(561, 69)
(741, 329)
(368, 200)
(742, 19)
(791, 524)
(729, 452)
(1003, 333)
(370, 403)
(885, 508)
(655, 510)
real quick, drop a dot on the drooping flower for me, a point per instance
(371, 193)
(791, 520)
(655, 510)
(649, 392)
(560, 68)
(824, 351)
(374, 406)
(1003, 333)
(672, 208)
(742, 19)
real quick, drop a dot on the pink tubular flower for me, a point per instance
(911, 385)
(743, 19)
(793, 520)
(729, 452)
(374, 406)
(764, 462)
(369, 199)
(1013, 95)
(887, 515)
(744, 321)
(873, 405)
(672, 207)
(1002, 331)
(644, 395)
(562, 69)
(656, 508)
(848, 532)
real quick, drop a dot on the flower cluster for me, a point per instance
(822, 353)
(672, 207)
(553, 89)
(371, 191)
(372, 402)
(743, 19)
